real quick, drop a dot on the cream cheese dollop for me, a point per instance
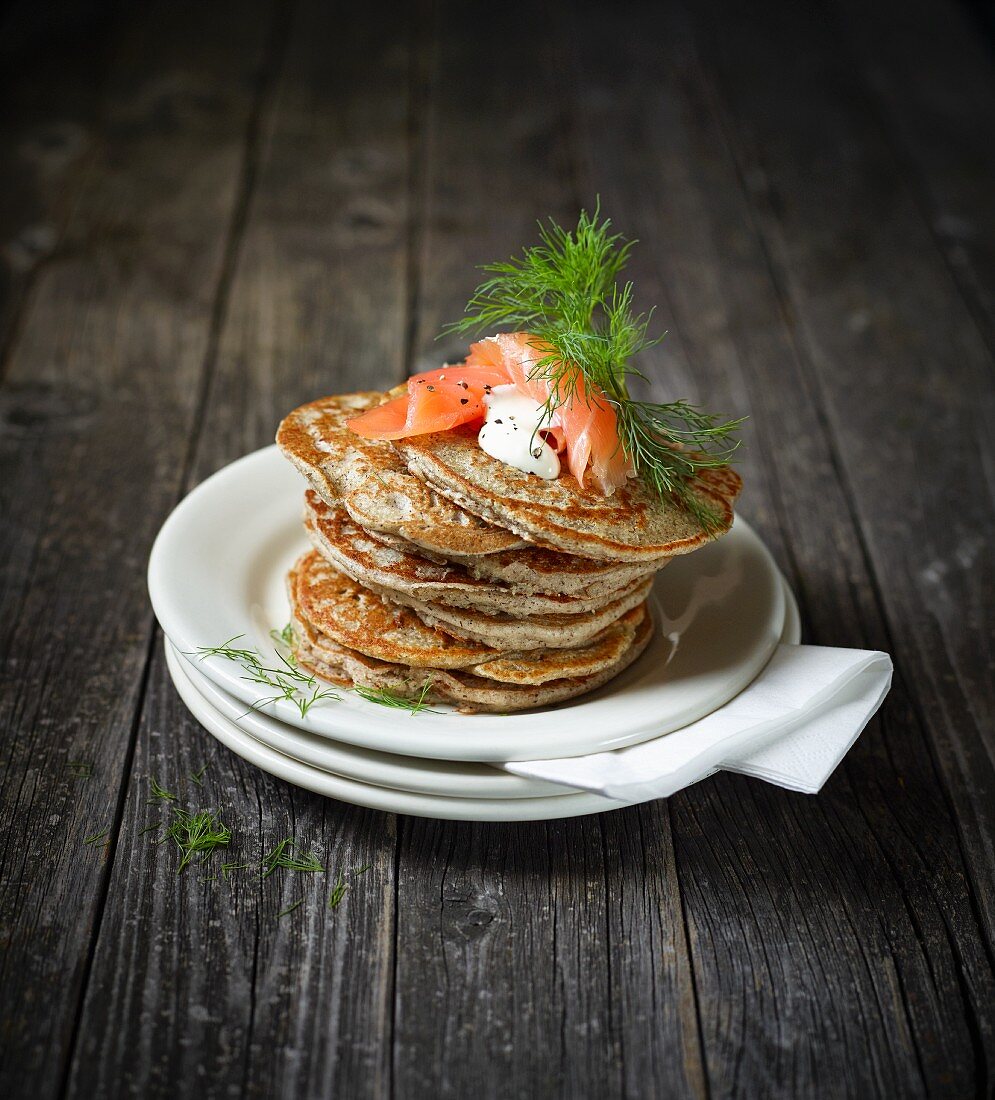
(510, 432)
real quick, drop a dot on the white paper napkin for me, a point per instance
(791, 726)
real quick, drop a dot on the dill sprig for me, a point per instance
(290, 908)
(338, 893)
(198, 776)
(283, 856)
(384, 697)
(159, 794)
(196, 833)
(286, 679)
(565, 292)
(97, 837)
(228, 868)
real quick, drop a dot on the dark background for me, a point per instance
(210, 212)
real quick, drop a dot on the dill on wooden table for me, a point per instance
(337, 894)
(159, 793)
(284, 856)
(197, 833)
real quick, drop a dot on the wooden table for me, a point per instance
(211, 212)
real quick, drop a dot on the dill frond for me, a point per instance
(565, 292)
(338, 893)
(228, 868)
(196, 833)
(290, 908)
(159, 794)
(198, 776)
(383, 697)
(282, 856)
(97, 837)
(286, 679)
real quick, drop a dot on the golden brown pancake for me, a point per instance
(633, 524)
(367, 478)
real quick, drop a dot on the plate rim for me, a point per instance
(256, 725)
(385, 799)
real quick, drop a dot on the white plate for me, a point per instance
(381, 798)
(405, 773)
(217, 570)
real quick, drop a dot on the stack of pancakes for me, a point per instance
(435, 564)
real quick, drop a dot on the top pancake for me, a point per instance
(368, 479)
(634, 524)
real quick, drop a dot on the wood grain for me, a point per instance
(266, 202)
(51, 73)
(300, 1004)
(727, 331)
(931, 80)
(99, 400)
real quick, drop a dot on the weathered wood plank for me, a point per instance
(931, 76)
(795, 994)
(95, 413)
(299, 1005)
(537, 973)
(905, 377)
(50, 75)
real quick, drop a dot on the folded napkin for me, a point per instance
(791, 727)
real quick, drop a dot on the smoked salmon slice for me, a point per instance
(584, 422)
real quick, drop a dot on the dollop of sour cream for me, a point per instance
(510, 432)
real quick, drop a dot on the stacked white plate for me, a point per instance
(217, 571)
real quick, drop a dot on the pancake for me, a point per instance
(395, 572)
(634, 524)
(536, 569)
(321, 656)
(507, 633)
(355, 618)
(368, 479)
(542, 666)
(359, 619)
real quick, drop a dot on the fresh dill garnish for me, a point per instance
(156, 826)
(283, 856)
(284, 637)
(338, 893)
(195, 833)
(97, 837)
(290, 908)
(159, 794)
(287, 680)
(565, 292)
(384, 697)
(227, 868)
(79, 769)
(198, 776)
(362, 870)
